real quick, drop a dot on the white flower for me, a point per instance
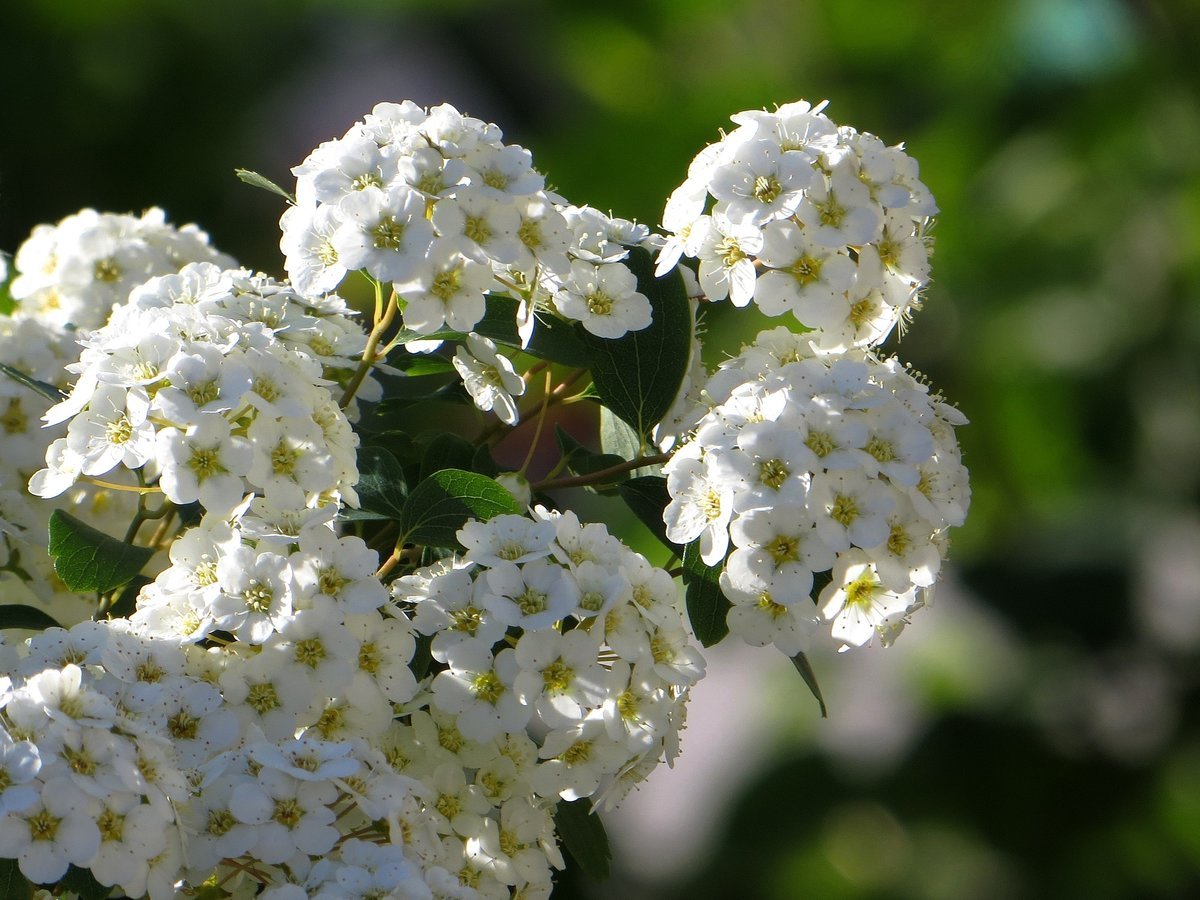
(489, 378)
(604, 298)
(857, 602)
(761, 183)
(204, 463)
(726, 252)
(452, 295)
(531, 596)
(385, 232)
(54, 832)
(479, 691)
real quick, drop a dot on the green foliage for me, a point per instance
(18, 615)
(263, 183)
(804, 667)
(441, 504)
(579, 459)
(13, 885)
(49, 391)
(87, 559)
(638, 375)
(582, 834)
(707, 606)
(382, 489)
(647, 497)
(84, 884)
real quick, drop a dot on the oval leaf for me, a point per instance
(381, 486)
(638, 375)
(707, 606)
(583, 834)
(441, 504)
(89, 560)
(18, 615)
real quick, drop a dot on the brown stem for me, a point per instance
(602, 475)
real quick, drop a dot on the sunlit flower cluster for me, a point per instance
(73, 273)
(272, 712)
(810, 461)
(216, 380)
(800, 215)
(436, 204)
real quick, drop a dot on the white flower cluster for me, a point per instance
(125, 755)
(68, 277)
(216, 378)
(811, 461)
(808, 217)
(583, 702)
(73, 273)
(435, 203)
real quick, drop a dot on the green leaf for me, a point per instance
(638, 375)
(382, 489)
(582, 461)
(447, 451)
(87, 559)
(126, 603)
(18, 615)
(800, 661)
(617, 438)
(49, 391)
(261, 181)
(647, 497)
(707, 606)
(84, 883)
(14, 885)
(582, 834)
(441, 504)
(7, 304)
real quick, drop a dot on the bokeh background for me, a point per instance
(1037, 734)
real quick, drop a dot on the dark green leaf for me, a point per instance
(261, 181)
(381, 486)
(647, 497)
(617, 438)
(447, 451)
(13, 885)
(84, 883)
(582, 834)
(422, 659)
(707, 606)
(582, 461)
(17, 615)
(482, 462)
(800, 661)
(87, 559)
(429, 365)
(441, 504)
(49, 391)
(638, 375)
(126, 603)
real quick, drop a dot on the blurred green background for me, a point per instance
(1037, 734)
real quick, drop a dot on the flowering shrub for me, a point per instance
(289, 631)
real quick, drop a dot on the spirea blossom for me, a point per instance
(800, 215)
(810, 460)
